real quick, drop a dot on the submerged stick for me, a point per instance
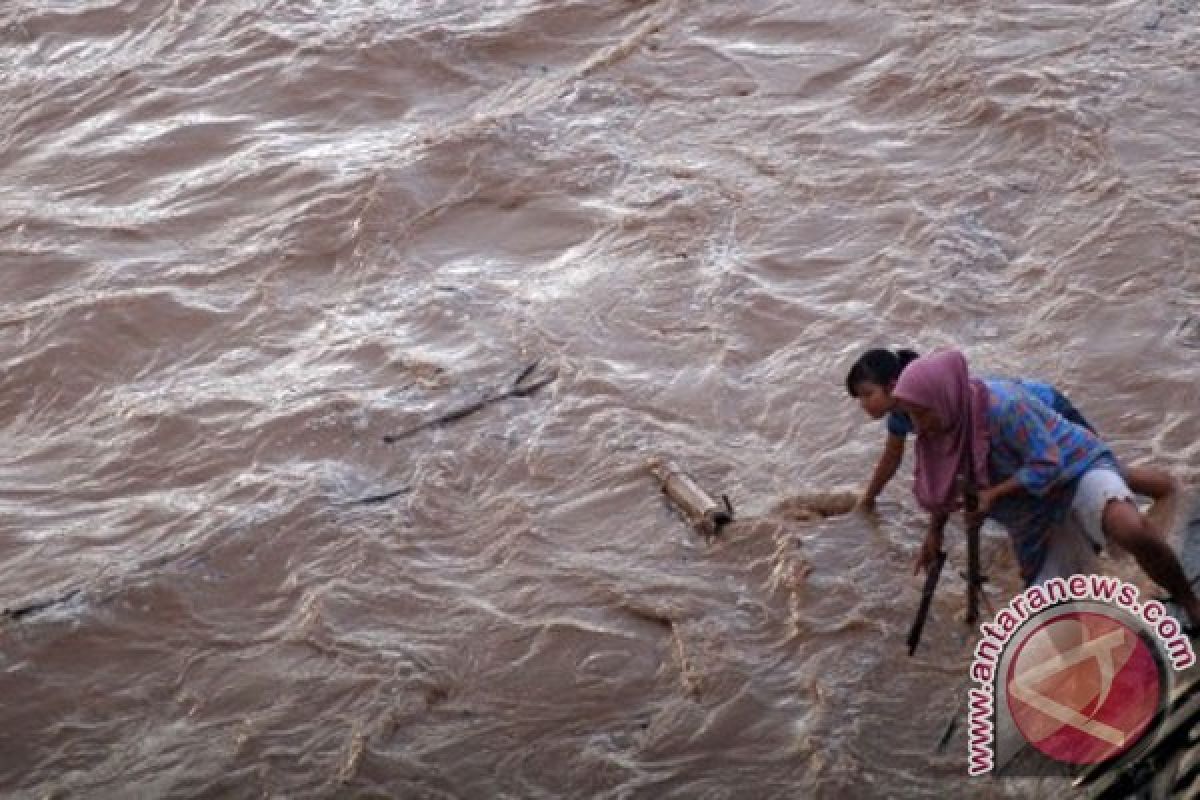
(383, 497)
(518, 388)
(32, 608)
(948, 732)
(952, 725)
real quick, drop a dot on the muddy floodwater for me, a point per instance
(245, 240)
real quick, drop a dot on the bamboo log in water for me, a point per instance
(701, 510)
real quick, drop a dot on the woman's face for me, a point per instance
(924, 419)
(876, 400)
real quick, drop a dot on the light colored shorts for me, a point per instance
(1074, 543)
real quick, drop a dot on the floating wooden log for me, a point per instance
(701, 510)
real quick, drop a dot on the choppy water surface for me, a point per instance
(245, 239)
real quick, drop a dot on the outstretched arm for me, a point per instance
(885, 470)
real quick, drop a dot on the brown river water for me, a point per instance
(243, 240)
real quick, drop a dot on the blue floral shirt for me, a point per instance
(1047, 454)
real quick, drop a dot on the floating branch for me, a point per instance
(523, 386)
(375, 499)
(32, 608)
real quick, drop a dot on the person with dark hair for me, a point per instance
(872, 379)
(1051, 483)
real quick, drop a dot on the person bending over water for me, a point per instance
(1051, 483)
(872, 379)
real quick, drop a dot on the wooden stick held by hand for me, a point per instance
(931, 582)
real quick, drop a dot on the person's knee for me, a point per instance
(1124, 524)
(1151, 481)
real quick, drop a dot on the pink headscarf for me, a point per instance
(940, 382)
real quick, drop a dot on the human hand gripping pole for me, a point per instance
(970, 497)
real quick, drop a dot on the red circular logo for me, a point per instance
(1083, 688)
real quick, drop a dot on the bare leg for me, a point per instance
(1161, 487)
(1131, 530)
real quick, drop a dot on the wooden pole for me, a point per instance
(974, 579)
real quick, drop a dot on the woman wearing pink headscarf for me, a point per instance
(1052, 484)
